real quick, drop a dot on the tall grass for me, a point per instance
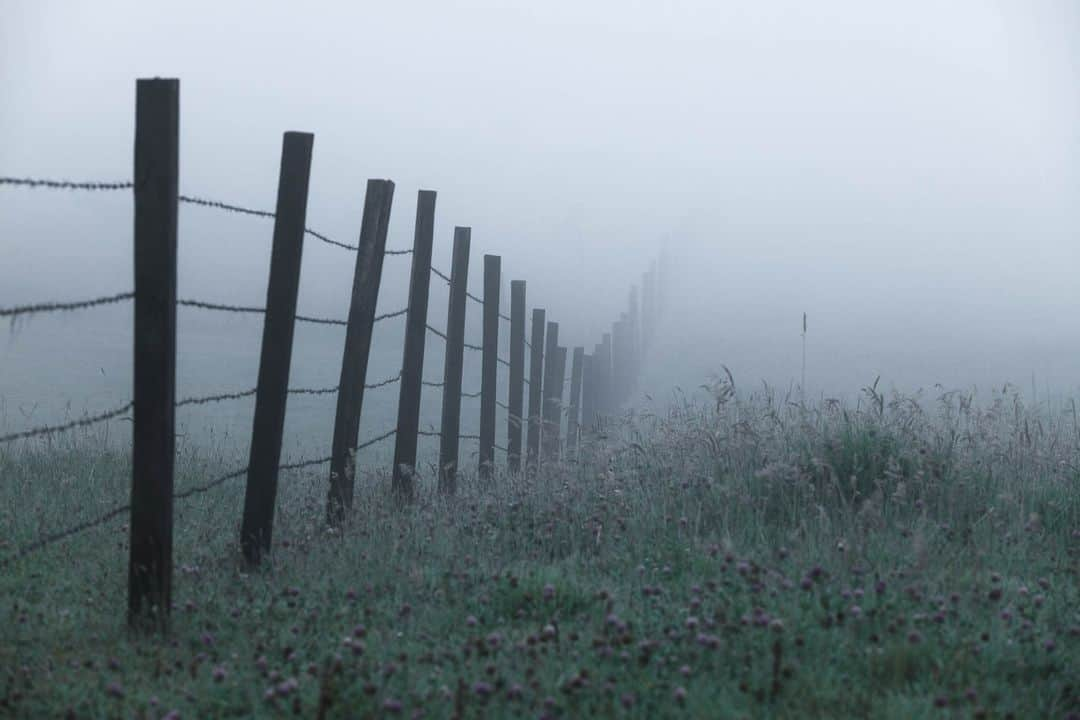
(745, 556)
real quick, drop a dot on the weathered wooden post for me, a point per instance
(157, 141)
(554, 394)
(605, 380)
(574, 404)
(515, 403)
(536, 383)
(454, 362)
(633, 341)
(350, 398)
(290, 214)
(489, 364)
(618, 361)
(648, 303)
(549, 414)
(588, 394)
(412, 361)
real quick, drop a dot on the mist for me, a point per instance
(906, 175)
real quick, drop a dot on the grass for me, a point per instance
(746, 557)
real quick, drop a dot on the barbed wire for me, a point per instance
(505, 317)
(468, 437)
(440, 333)
(43, 307)
(387, 316)
(502, 405)
(503, 361)
(68, 532)
(187, 199)
(314, 391)
(383, 383)
(206, 399)
(186, 493)
(67, 184)
(328, 241)
(371, 441)
(50, 429)
(446, 277)
(220, 307)
(320, 321)
(206, 487)
(471, 395)
(433, 383)
(429, 433)
(499, 447)
(240, 209)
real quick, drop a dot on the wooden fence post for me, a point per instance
(588, 393)
(647, 305)
(157, 140)
(454, 362)
(605, 404)
(260, 494)
(554, 393)
(536, 385)
(575, 401)
(618, 361)
(489, 364)
(515, 403)
(412, 361)
(549, 415)
(633, 320)
(350, 399)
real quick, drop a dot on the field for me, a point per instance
(743, 556)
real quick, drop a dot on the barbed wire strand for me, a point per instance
(382, 383)
(371, 441)
(220, 307)
(188, 492)
(83, 422)
(67, 184)
(44, 307)
(314, 391)
(207, 399)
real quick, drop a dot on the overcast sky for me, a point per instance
(908, 173)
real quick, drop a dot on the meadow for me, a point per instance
(739, 555)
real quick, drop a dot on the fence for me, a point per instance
(599, 382)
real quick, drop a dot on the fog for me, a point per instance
(907, 174)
